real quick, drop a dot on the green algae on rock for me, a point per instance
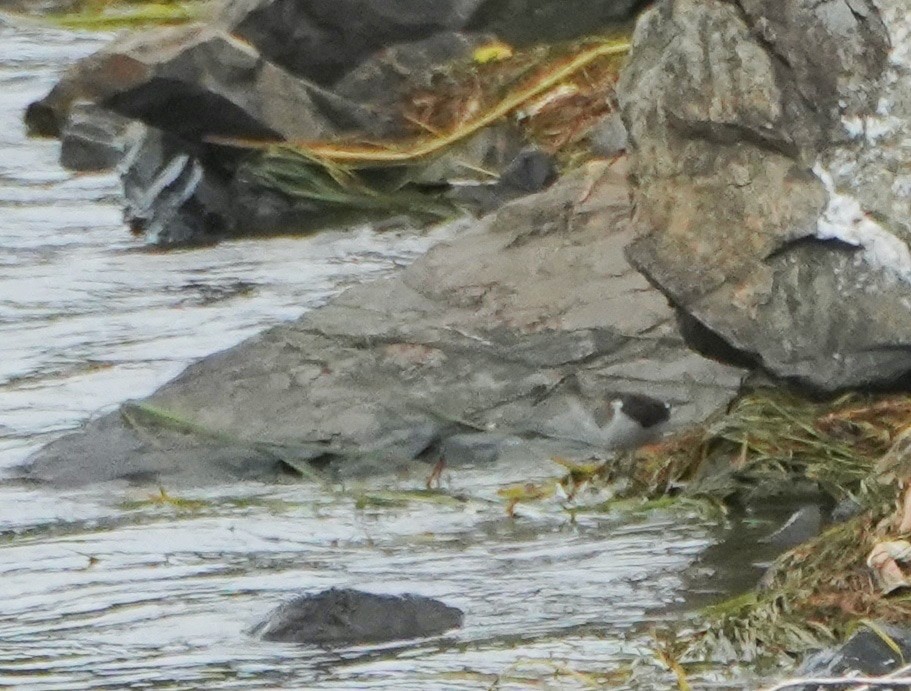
(95, 15)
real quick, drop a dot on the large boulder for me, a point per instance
(194, 82)
(322, 40)
(762, 210)
(520, 326)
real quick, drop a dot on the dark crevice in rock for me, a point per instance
(712, 345)
(700, 338)
(732, 134)
(832, 244)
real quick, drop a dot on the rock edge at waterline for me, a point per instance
(517, 328)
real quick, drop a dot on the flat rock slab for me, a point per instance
(350, 617)
(532, 312)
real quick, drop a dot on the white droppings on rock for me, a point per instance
(844, 219)
(866, 176)
(854, 125)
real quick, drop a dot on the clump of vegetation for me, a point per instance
(337, 187)
(852, 448)
(770, 441)
(813, 595)
(856, 448)
(555, 93)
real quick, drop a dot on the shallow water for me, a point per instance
(107, 588)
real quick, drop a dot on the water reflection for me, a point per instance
(108, 595)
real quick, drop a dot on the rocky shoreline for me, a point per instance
(460, 342)
(757, 230)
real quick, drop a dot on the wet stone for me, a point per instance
(95, 139)
(608, 138)
(804, 524)
(846, 509)
(865, 653)
(344, 616)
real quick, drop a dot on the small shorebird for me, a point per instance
(628, 421)
(619, 422)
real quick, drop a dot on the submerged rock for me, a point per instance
(737, 113)
(342, 616)
(533, 304)
(866, 652)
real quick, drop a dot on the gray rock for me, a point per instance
(473, 337)
(383, 79)
(260, 210)
(523, 22)
(95, 139)
(194, 82)
(322, 40)
(528, 170)
(846, 509)
(532, 170)
(864, 653)
(349, 617)
(608, 137)
(739, 221)
(170, 196)
(803, 524)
